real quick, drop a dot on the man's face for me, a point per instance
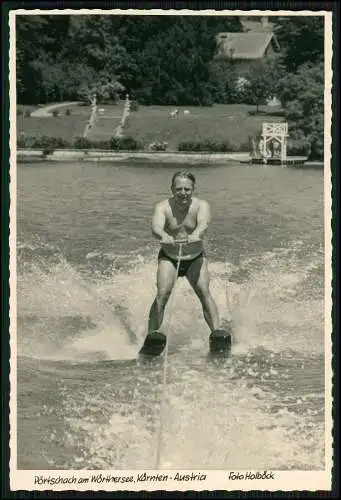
(182, 190)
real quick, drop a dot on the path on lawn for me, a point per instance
(103, 128)
(46, 111)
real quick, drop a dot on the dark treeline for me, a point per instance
(170, 60)
(158, 59)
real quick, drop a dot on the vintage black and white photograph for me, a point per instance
(170, 250)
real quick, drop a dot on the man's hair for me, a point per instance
(184, 174)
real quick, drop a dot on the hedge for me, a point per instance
(208, 145)
(49, 144)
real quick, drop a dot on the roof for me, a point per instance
(250, 45)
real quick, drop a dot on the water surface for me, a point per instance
(86, 279)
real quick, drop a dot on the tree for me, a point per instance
(161, 59)
(100, 48)
(104, 91)
(30, 56)
(262, 80)
(302, 97)
(301, 90)
(186, 78)
(223, 80)
(301, 39)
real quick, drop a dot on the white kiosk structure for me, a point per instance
(272, 147)
(278, 132)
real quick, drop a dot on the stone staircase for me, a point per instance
(102, 125)
(126, 112)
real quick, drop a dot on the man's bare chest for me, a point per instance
(176, 221)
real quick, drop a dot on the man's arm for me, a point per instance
(158, 222)
(203, 220)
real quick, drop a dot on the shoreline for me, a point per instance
(60, 155)
(117, 156)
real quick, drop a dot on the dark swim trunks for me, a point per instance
(193, 265)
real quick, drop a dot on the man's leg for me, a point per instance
(165, 279)
(198, 277)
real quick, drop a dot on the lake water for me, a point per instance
(86, 265)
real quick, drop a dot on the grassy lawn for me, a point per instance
(107, 122)
(221, 123)
(65, 126)
(69, 126)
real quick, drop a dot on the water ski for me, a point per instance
(154, 344)
(220, 342)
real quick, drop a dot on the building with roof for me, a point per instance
(240, 52)
(245, 49)
(254, 44)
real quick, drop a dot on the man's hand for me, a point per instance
(192, 238)
(166, 238)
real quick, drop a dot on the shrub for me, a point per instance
(49, 144)
(207, 145)
(102, 145)
(316, 148)
(47, 151)
(227, 147)
(186, 146)
(21, 142)
(82, 143)
(125, 144)
(206, 101)
(134, 106)
(46, 142)
(130, 144)
(298, 147)
(24, 142)
(114, 143)
(244, 147)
